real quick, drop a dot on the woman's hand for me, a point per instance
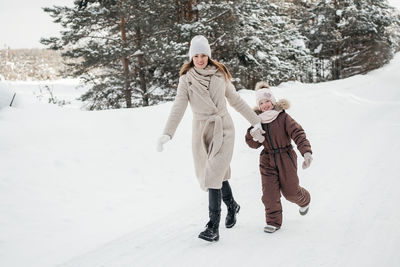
(258, 126)
(257, 133)
(161, 141)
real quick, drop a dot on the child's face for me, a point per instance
(265, 105)
(200, 61)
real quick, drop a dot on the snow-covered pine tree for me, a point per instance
(90, 37)
(111, 40)
(350, 36)
(269, 46)
(212, 19)
(130, 52)
(320, 22)
(169, 49)
(253, 57)
(366, 41)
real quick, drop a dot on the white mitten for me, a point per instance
(307, 160)
(258, 126)
(257, 135)
(161, 141)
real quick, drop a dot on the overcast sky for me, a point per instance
(23, 22)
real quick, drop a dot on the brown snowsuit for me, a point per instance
(278, 165)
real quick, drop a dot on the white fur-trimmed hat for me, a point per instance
(263, 92)
(199, 45)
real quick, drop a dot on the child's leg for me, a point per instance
(297, 195)
(289, 180)
(271, 197)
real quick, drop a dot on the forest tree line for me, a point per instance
(129, 52)
(30, 64)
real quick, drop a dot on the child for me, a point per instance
(278, 160)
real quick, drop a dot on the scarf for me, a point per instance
(201, 78)
(269, 115)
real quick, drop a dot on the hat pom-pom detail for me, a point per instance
(261, 85)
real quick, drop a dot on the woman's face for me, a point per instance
(200, 61)
(265, 105)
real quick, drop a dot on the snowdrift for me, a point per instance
(80, 188)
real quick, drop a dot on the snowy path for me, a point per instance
(353, 216)
(88, 189)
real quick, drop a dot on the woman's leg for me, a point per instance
(226, 192)
(211, 233)
(233, 207)
(214, 203)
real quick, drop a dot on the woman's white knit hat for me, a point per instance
(263, 92)
(199, 45)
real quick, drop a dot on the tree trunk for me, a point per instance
(337, 52)
(125, 63)
(142, 77)
(185, 10)
(336, 64)
(145, 96)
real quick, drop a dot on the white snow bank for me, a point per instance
(81, 188)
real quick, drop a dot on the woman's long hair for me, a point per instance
(221, 67)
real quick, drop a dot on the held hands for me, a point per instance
(258, 126)
(161, 141)
(307, 160)
(257, 132)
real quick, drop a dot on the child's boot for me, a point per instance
(304, 210)
(270, 229)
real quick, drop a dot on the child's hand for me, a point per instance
(257, 135)
(307, 160)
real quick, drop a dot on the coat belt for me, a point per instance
(277, 150)
(218, 132)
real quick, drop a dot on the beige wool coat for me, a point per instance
(213, 131)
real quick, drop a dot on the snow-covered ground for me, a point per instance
(81, 188)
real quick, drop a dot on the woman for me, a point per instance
(205, 83)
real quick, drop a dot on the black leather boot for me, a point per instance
(211, 233)
(233, 207)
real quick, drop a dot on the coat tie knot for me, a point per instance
(217, 133)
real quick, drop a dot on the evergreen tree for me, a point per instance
(130, 52)
(350, 36)
(253, 38)
(366, 41)
(111, 39)
(269, 46)
(212, 19)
